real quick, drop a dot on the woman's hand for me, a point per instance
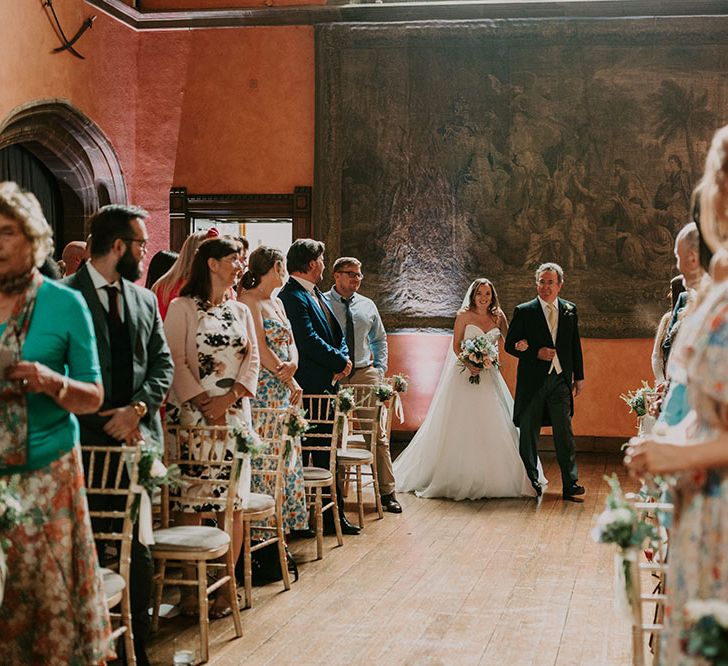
(217, 407)
(296, 391)
(286, 370)
(646, 456)
(521, 345)
(34, 377)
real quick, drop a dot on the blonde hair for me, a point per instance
(714, 192)
(180, 271)
(17, 204)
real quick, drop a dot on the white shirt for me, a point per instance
(555, 364)
(99, 282)
(306, 284)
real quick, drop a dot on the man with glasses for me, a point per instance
(366, 341)
(136, 364)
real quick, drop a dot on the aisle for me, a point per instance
(487, 582)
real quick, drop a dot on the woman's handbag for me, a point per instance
(265, 565)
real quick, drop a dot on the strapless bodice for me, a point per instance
(473, 331)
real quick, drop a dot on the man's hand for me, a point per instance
(347, 370)
(546, 353)
(578, 387)
(123, 424)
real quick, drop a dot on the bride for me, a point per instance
(467, 447)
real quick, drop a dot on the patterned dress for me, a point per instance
(221, 348)
(54, 610)
(274, 393)
(699, 540)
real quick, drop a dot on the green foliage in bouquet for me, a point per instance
(707, 635)
(383, 392)
(637, 400)
(153, 474)
(345, 400)
(400, 383)
(296, 423)
(11, 510)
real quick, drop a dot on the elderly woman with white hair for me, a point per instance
(54, 609)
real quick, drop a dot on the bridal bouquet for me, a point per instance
(707, 635)
(478, 352)
(639, 399)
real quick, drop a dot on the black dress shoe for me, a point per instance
(346, 526)
(390, 503)
(308, 533)
(571, 494)
(538, 488)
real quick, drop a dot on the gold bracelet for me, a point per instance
(64, 388)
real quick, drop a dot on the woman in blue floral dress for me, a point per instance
(278, 363)
(699, 463)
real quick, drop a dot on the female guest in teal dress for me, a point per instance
(279, 361)
(54, 609)
(699, 538)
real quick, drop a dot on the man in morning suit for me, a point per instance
(323, 355)
(136, 364)
(550, 374)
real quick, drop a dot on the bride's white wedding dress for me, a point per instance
(467, 446)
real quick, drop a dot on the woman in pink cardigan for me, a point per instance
(216, 364)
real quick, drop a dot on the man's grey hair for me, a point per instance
(690, 235)
(551, 266)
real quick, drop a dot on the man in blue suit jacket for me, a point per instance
(323, 355)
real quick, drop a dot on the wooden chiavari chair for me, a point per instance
(270, 425)
(361, 447)
(320, 482)
(111, 478)
(641, 601)
(199, 452)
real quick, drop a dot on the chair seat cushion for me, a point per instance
(354, 455)
(259, 502)
(190, 537)
(112, 581)
(316, 474)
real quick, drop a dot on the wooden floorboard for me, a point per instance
(489, 582)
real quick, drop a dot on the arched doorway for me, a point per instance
(76, 152)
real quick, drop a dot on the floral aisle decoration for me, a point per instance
(639, 402)
(152, 475)
(707, 632)
(627, 529)
(11, 516)
(296, 427)
(247, 444)
(478, 352)
(400, 384)
(383, 392)
(345, 404)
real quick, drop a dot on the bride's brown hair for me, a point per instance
(477, 284)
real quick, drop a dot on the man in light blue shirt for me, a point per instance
(366, 340)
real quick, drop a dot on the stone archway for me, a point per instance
(73, 147)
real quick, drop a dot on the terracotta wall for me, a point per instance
(611, 367)
(233, 111)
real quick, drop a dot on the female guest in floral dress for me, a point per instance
(212, 339)
(54, 610)
(279, 361)
(699, 538)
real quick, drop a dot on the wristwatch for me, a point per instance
(140, 408)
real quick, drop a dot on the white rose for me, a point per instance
(157, 470)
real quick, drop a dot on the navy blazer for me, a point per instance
(529, 323)
(322, 349)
